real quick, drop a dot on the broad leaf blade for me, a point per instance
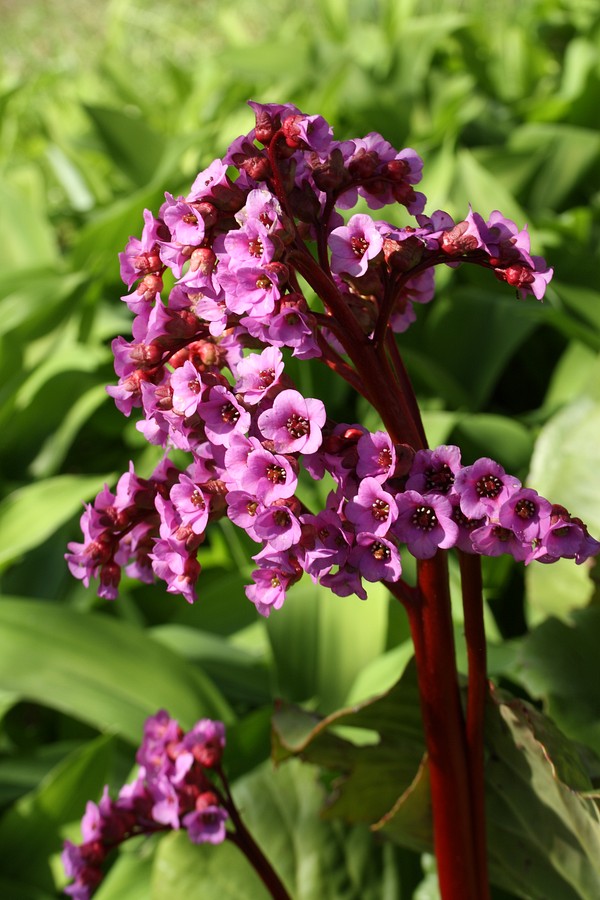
(103, 671)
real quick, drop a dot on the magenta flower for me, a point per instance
(223, 416)
(257, 373)
(269, 476)
(354, 244)
(242, 509)
(187, 389)
(376, 558)
(525, 513)
(190, 503)
(206, 824)
(278, 526)
(494, 540)
(293, 423)
(424, 523)
(183, 221)
(327, 542)
(268, 591)
(484, 487)
(434, 471)
(376, 456)
(372, 509)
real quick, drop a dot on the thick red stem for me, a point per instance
(470, 573)
(453, 825)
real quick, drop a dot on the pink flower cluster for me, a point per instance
(172, 791)
(206, 367)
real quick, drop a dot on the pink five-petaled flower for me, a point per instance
(354, 244)
(223, 416)
(190, 503)
(269, 476)
(268, 590)
(525, 513)
(434, 471)
(484, 487)
(187, 389)
(375, 558)
(376, 456)
(206, 823)
(293, 423)
(373, 509)
(494, 540)
(257, 372)
(424, 523)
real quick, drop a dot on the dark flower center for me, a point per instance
(297, 425)
(359, 245)
(281, 517)
(229, 414)
(267, 376)
(380, 510)
(525, 509)
(385, 458)
(379, 551)
(263, 283)
(439, 480)
(424, 518)
(488, 486)
(197, 500)
(276, 474)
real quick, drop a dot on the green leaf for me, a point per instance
(133, 146)
(566, 452)
(30, 831)
(321, 642)
(557, 662)
(31, 514)
(105, 672)
(26, 238)
(504, 439)
(239, 674)
(315, 859)
(477, 330)
(130, 876)
(543, 823)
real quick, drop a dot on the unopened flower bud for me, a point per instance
(257, 167)
(149, 287)
(401, 256)
(208, 211)
(202, 260)
(457, 241)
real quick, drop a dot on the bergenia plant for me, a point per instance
(266, 263)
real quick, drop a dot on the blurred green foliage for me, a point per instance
(103, 107)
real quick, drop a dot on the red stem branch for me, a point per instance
(453, 826)
(470, 573)
(244, 841)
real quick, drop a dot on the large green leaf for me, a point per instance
(31, 514)
(100, 670)
(31, 830)
(477, 330)
(557, 662)
(566, 452)
(543, 823)
(317, 860)
(133, 146)
(321, 642)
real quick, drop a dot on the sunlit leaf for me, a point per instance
(31, 514)
(100, 670)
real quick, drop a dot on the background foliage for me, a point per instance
(103, 107)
